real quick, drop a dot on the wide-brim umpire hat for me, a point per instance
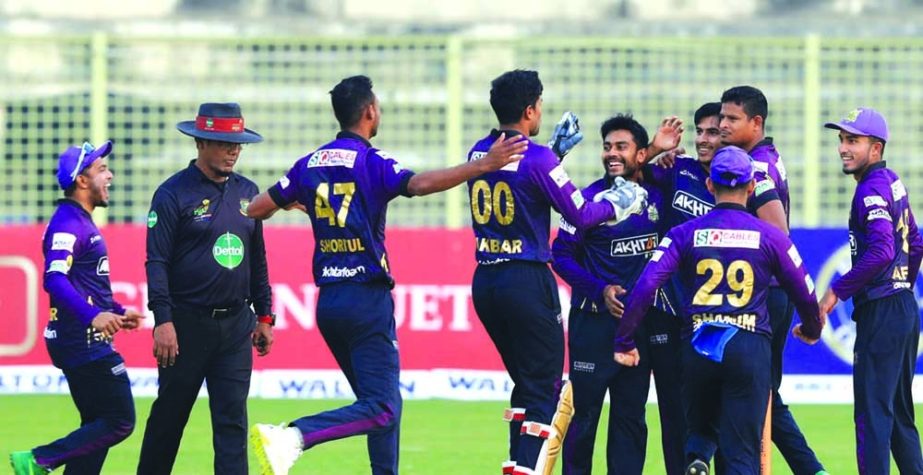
(219, 121)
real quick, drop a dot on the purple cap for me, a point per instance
(75, 160)
(731, 166)
(863, 121)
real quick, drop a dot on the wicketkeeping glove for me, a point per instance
(627, 198)
(566, 135)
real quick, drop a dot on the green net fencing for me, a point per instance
(56, 91)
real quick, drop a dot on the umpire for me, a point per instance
(886, 252)
(206, 266)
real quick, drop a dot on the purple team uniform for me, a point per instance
(589, 260)
(886, 250)
(725, 260)
(346, 186)
(76, 278)
(514, 292)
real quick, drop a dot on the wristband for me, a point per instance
(270, 319)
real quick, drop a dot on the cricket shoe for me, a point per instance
(276, 447)
(24, 463)
(697, 467)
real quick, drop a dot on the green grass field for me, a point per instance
(445, 437)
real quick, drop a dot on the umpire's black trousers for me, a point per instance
(217, 351)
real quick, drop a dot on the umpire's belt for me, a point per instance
(216, 313)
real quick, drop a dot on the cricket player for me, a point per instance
(599, 263)
(744, 110)
(83, 320)
(346, 186)
(514, 292)
(886, 250)
(725, 260)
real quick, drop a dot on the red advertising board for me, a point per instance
(437, 325)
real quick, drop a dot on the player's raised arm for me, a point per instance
(505, 150)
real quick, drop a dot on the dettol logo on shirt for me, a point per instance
(228, 250)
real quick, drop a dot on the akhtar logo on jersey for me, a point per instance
(228, 250)
(689, 204)
(634, 245)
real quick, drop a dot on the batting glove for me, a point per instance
(566, 135)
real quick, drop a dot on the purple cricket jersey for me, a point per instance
(77, 281)
(346, 186)
(511, 207)
(725, 260)
(590, 259)
(884, 241)
(684, 186)
(770, 177)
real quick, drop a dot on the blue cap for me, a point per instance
(732, 166)
(75, 160)
(863, 121)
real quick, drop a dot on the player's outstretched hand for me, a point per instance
(668, 136)
(627, 198)
(828, 302)
(796, 331)
(131, 319)
(631, 358)
(611, 293)
(503, 152)
(566, 135)
(296, 206)
(166, 348)
(668, 159)
(107, 323)
(262, 338)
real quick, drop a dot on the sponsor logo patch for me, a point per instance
(794, 256)
(874, 200)
(60, 265)
(689, 204)
(559, 176)
(284, 182)
(656, 255)
(878, 213)
(584, 366)
(243, 206)
(228, 250)
(63, 242)
(118, 369)
(764, 186)
(567, 227)
(577, 198)
(334, 157)
(809, 282)
(897, 190)
(337, 272)
(102, 267)
(730, 238)
(666, 242)
(633, 246)
(152, 219)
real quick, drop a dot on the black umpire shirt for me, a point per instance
(203, 252)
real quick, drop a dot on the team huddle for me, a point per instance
(680, 267)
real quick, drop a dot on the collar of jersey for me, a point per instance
(345, 134)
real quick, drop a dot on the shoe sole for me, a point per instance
(258, 441)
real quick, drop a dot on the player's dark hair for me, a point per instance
(709, 109)
(69, 191)
(719, 188)
(625, 122)
(350, 98)
(878, 140)
(750, 99)
(512, 92)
